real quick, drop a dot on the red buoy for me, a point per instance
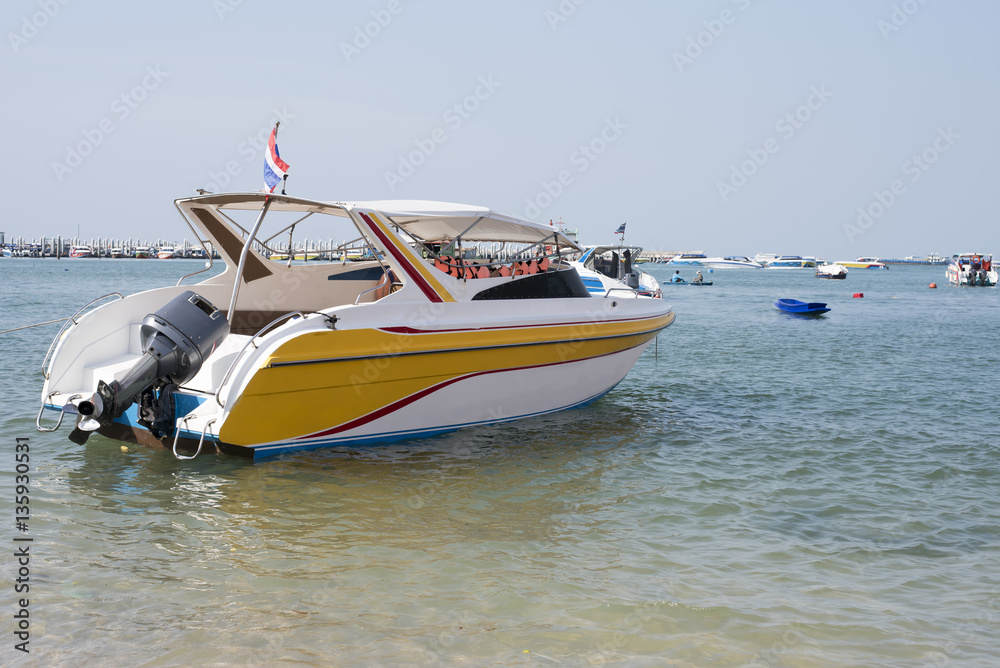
(859, 295)
(933, 285)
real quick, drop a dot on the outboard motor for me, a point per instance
(176, 340)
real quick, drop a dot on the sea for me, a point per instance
(762, 489)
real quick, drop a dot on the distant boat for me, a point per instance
(142, 252)
(931, 259)
(863, 263)
(688, 260)
(790, 262)
(731, 262)
(607, 268)
(165, 253)
(800, 308)
(972, 269)
(831, 271)
(117, 252)
(80, 251)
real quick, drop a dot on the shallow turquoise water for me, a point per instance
(761, 490)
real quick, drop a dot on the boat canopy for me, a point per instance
(424, 220)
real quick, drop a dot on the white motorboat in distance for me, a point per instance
(790, 262)
(833, 270)
(435, 333)
(611, 268)
(731, 262)
(972, 269)
(687, 260)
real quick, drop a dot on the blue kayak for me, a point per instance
(800, 307)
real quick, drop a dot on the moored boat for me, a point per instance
(835, 270)
(798, 307)
(687, 260)
(612, 268)
(81, 251)
(863, 263)
(972, 269)
(432, 335)
(790, 262)
(731, 262)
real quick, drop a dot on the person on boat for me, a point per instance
(698, 278)
(676, 278)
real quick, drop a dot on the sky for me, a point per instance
(835, 129)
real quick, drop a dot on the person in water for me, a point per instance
(676, 278)
(698, 278)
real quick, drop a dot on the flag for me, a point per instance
(621, 229)
(275, 168)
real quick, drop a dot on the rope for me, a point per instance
(39, 324)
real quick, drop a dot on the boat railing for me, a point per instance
(381, 284)
(629, 291)
(251, 342)
(201, 441)
(72, 321)
(68, 407)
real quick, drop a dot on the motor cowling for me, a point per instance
(176, 340)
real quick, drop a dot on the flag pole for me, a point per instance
(284, 177)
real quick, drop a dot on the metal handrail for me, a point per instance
(384, 281)
(225, 379)
(62, 413)
(71, 319)
(177, 433)
(630, 291)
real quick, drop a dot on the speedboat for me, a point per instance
(80, 251)
(800, 308)
(117, 252)
(611, 268)
(972, 269)
(864, 263)
(440, 331)
(142, 252)
(731, 262)
(790, 262)
(688, 260)
(166, 253)
(835, 270)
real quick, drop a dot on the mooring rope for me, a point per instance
(37, 324)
